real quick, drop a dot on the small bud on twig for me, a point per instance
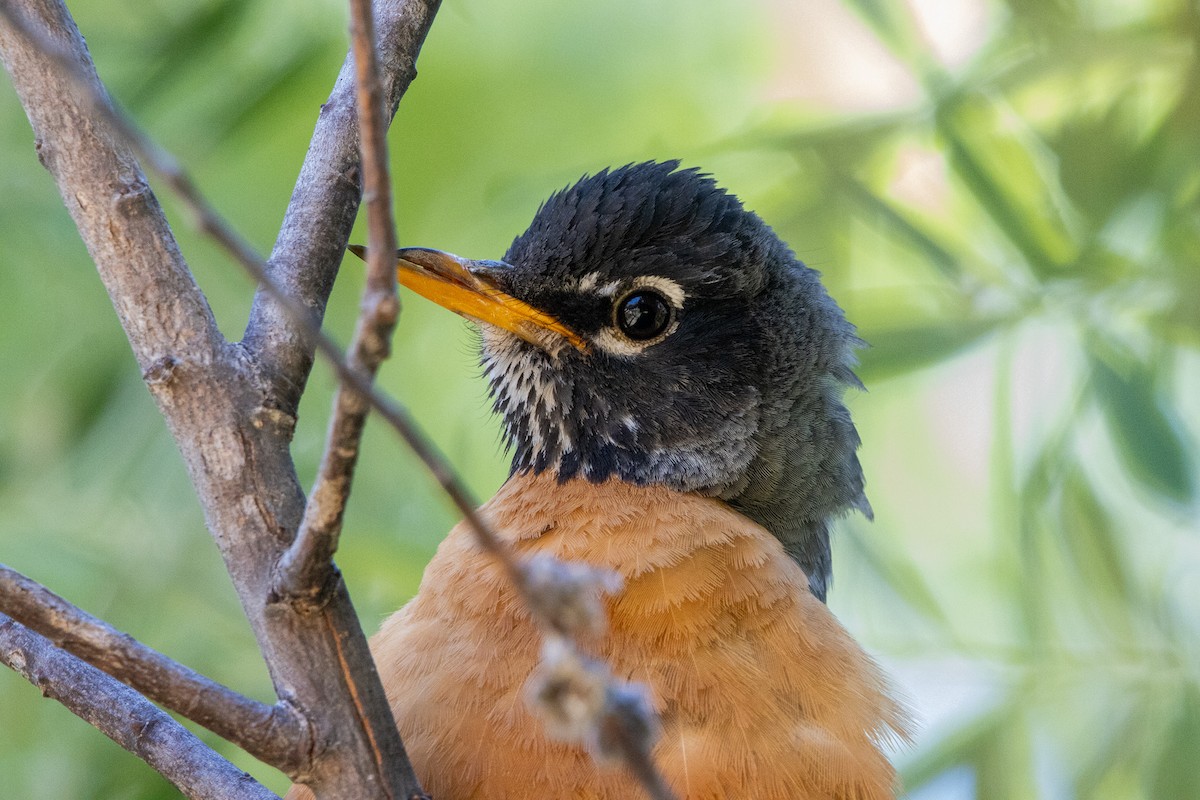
(567, 691)
(579, 700)
(566, 595)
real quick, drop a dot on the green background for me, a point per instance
(1003, 196)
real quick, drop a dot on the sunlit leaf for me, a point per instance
(1012, 174)
(894, 24)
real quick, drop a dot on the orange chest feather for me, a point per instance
(760, 691)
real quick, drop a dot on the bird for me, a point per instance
(670, 381)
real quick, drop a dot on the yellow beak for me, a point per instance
(448, 281)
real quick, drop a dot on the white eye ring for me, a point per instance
(613, 340)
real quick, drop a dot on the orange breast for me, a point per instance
(761, 692)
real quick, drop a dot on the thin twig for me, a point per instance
(126, 717)
(306, 566)
(269, 733)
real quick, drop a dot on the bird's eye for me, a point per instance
(643, 314)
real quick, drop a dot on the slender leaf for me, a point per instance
(957, 747)
(1095, 551)
(1011, 173)
(901, 350)
(941, 258)
(894, 24)
(1177, 773)
(1146, 430)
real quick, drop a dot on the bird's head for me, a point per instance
(648, 328)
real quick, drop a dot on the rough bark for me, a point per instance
(267, 732)
(126, 717)
(230, 407)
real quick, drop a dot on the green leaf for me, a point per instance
(938, 255)
(958, 747)
(1012, 174)
(897, 351)
(895, 26)
(1176, 775)
(896, 567)
(1145, 428)
(1094, 549)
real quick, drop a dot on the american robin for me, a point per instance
(670, 380)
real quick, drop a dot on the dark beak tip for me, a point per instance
(358, 250)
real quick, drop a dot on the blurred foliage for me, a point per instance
(1015, 227)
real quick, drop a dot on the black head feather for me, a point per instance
(738, 397)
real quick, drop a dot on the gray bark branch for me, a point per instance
(268, 733)
(126, 717)
(306, 565)
(316, 228)
(219, 400)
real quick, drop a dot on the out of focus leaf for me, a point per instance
(1043, 15)
(896, 351)
(186, 44)
(1038, 594)
(1005, 761)
(1177, 771)
(895, 25)
(1147, 432)
(1100, 167)
(926, 244)
(957, 747)
(844, 139)
(1094, 547)
(1114, 737)
(1013, 175)
(898, 569)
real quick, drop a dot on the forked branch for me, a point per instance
(283, 331)
(268, 733)
(126, 717)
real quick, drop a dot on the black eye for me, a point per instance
(643, 314)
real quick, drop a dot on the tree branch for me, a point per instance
(126, 717)
(282, 334)
(324, 204)
(218, 404)
(118, 216)
(268, 733)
